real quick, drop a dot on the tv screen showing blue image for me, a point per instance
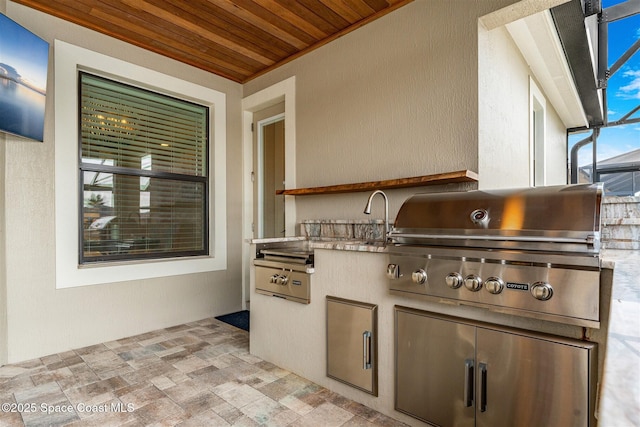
(23, 80)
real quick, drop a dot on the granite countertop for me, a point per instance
(349, 245)
(330, 243)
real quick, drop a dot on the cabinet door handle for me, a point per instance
(483, 387)
(366, 350)
(468, 383)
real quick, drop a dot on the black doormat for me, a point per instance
(239, 319)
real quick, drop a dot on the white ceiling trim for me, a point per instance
(538, 41)
(517, 10)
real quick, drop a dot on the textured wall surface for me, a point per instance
(504, 155)
(503, 152)
(556, 149)
(409, 95)
(3, 277)
(397, 98)
(42, 319)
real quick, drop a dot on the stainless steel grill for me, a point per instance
(531, 252)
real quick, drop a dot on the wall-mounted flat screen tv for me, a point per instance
(23, 80)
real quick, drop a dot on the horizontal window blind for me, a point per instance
(143, 162)
(125, 123)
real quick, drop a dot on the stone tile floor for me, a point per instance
(196, 374)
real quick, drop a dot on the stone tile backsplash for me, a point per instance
(342, 229)
(620, 222)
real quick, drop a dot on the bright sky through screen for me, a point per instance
(623, 88)
(623, 93)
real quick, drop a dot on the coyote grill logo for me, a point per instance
(518, 286)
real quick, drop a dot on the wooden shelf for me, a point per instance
(416, 181)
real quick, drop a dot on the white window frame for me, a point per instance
(68, 60)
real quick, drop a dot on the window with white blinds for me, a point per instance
(143, 173)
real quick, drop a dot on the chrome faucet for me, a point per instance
(367, 210)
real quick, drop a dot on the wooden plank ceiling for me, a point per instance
(236, 39)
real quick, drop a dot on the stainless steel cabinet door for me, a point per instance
(435, 369)
(533, 382)
(352, 343)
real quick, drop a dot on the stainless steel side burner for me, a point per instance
(283, 270)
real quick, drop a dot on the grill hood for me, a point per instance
(562, 218)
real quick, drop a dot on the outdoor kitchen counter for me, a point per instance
(329, 243)
(620, 392)
(343, 267)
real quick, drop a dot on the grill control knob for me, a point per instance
(273, 278)
(282, 280)
(454, 280)
(393, 271)
(494, 285)
(542, 291)
(419, 276)
(473, 283)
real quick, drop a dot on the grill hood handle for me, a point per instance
(589, 240)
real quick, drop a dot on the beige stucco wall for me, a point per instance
(3, 277)
(556, 149)
(3, 281)
(504, 156)
(42, 319)
(503, 148)
(396, 98)
(399, 97)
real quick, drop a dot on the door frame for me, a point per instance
(258, 172)
(537, 136)
(272, 95)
